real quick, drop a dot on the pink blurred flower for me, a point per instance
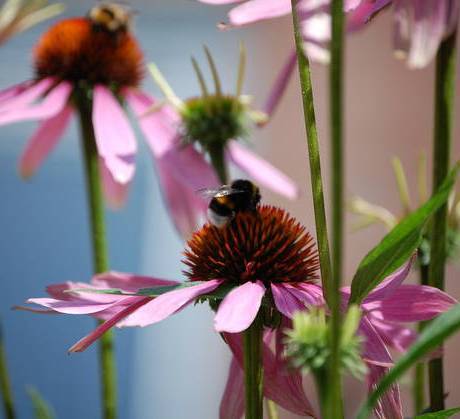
(73, 59)
(386, 311)
(420, 26)
(240, 275)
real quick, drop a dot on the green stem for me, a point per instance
(336, 123)
(418, 389)
(217, 156)
(99, 244)
(253, 371)
(5, 383)
(444, 104)
(335, 404)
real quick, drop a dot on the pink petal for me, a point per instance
(128, 282)
(280, 384)
(169, 303)
(390, 284)
(220, 1)
(285, 302)
(232, 404)
(51, 105)
(72, 306)
(115, 193)
(239, 308)
(262, 171)
(23, 94)
(414, 303)
(420, 26)
(315, 26)
(309, 294)
(43, 141)
(375, 351)
(394, 335)
(160, 128)
(256, 10)
(280, 84)
(115, 139)
(82, 344)
(389, 405)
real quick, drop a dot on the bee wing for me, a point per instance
(222, 191)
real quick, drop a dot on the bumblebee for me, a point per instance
(241, 195)
(110, 17)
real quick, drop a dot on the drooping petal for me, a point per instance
(261, 171)
(115, 139)
(186, 206)
(280, 84)
(257, 10)
(389, 406)
(128, 282)
(160, 128)
(115, 193)
(285, 302)
(390, 284)
(23, 94)
(134, 304)
(51, 105)
(281, 384)
(315, 26)
(374, 351)
(413, 303)
(394, 335)
(420, 26)
(72, 306)
(169, 303)
(309, 294)
(232, 403)
(181, 171)
(239, 308)
(43, 141)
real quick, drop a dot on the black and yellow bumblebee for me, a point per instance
(240, 196)
(111, 17)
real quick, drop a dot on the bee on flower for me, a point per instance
(258, 268)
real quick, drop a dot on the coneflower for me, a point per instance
(256, 272)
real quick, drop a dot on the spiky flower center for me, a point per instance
(77, 51)
(267, 245)
(213, 120)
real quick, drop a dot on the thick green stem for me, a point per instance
(217, 156)
(253, 370)
(5, 383)
(444, 104)
(418, 389)
(335, 404)
(99, 244)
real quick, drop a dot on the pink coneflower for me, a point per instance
(315, 25)
(96, 61)
(262, 263)
(420, 26)
(386, 311)
(213, 124)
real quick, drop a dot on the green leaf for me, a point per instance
(144, 292)
(42, 410)
(432, 336)
(399, 244)
(442, 414)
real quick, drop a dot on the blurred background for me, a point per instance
(178, 368)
